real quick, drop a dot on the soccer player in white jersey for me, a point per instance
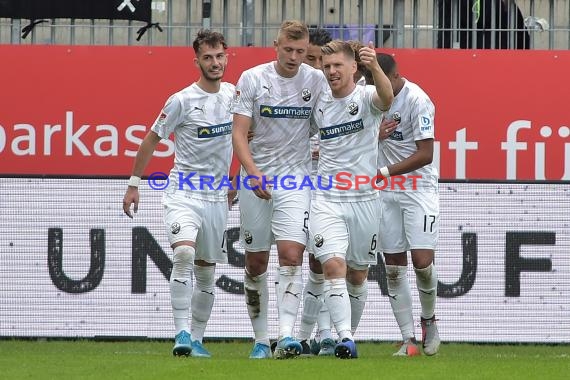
(314, 309)
(346, 209)
(410, 214)
(276, 100)
(195, 213)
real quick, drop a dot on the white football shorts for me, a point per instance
(345, 230)
(410, 220)
(197, 220)
(284, 217)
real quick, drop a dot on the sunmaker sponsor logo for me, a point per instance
(341, 129)
(214, 131)
(285, 112)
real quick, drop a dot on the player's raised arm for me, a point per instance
(384, 92)
(142, 158)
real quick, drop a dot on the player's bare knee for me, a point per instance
(256, 263)
(422, 258)
(356, 277)
(400, 259)
(290, 259)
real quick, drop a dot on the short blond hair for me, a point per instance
(293, 30)
(338, 46)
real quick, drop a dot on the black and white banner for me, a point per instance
(80, 9)
(72, 265)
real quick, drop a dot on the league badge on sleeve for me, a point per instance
(426, 124)
(237, 96)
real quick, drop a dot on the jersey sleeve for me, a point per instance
(244, 96)
(422, 118)
(170, 117)
(369, 93)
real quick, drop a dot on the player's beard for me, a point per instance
(213, 77)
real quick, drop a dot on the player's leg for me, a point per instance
(209, 251)
(202, 304)
(423, 234)
(357, 286)
(255, 236)
(329, 235)
(312, 302)
(182, 220)
(290, 227)
(362, 252)
(394, 245)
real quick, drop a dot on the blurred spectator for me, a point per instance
(498, 19)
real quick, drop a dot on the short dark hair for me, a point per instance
(387, 63)
(319, 37)
(210, 38)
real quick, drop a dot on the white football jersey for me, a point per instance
(348, 130)
(413, 107)
(280, 109)
(202, 127)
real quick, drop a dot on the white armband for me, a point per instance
(134, 181)
(385, 172)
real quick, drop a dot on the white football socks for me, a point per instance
(426, 281)
(289, 293)
(257, 300)
(181, 285)
(401, 299)
(202, 300)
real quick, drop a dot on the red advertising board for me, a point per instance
(83, 110)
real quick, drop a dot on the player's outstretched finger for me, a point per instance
(127, 211)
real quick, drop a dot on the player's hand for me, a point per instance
(131, 197)
(387, 127)
(315, 154)
(250, 135)
(231, 196)
(368, 56)
(261, 189)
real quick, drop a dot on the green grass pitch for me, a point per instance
(84, 359)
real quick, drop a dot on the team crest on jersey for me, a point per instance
(306, 94)
(425, 124)
(247, 237)
(319, 241)
(352, 108)
(214, 131)
(175, 228)
(397, 117)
